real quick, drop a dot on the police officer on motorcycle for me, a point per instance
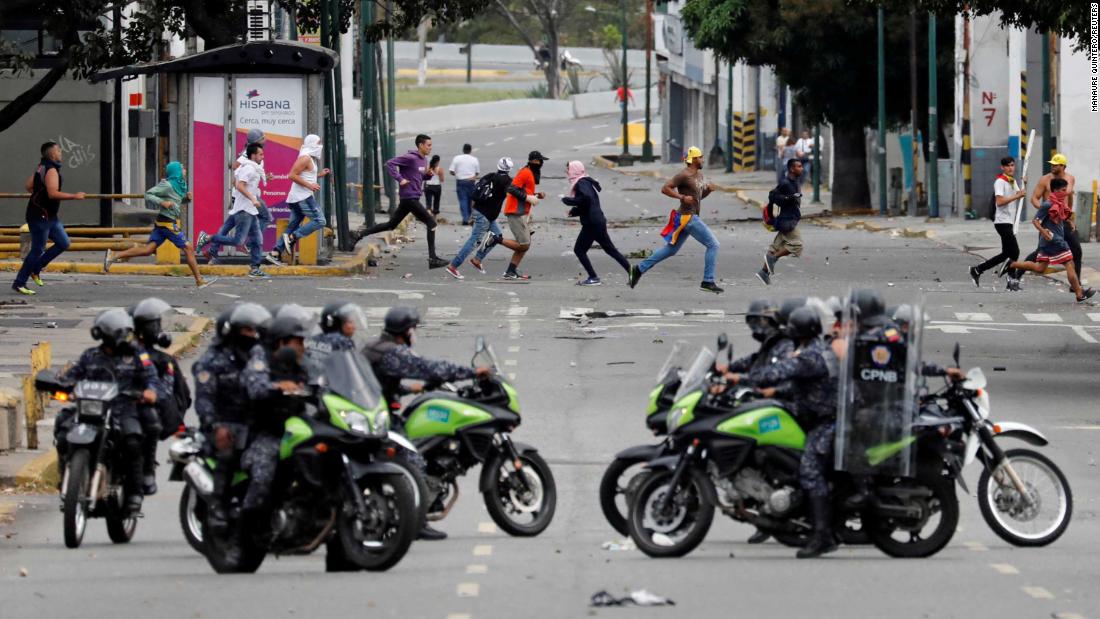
(125, 362)
(340, 323)
(808, 379)
(170, 410)
(221, 400)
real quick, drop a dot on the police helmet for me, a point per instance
(221, 323)
(762, 308)
(869, 303)
(294, 310)
(804, 323)
(147, 316)
(288, 325)
(335, 315)
(835, 307)
(400, 319)
(248, 315)
(113, 327)
(788, 307)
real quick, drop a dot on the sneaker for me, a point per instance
(1003, 270)
(769, 263)
(273, 259)
(257, 273)
(429, 534)
(1088, 294)
(764, 278)
(635, 275)
(149, 485)
(711, 287)
(453, 272)
(515, 275)
(436, 262)
(288, 241)
(975, 275)
(24, 290)
(37, 279)
(489, 241)
(107, 260)
(591, 281)
(202, 241)
(212, 260)
(1012, 284)
(207, 282)
(474, 262)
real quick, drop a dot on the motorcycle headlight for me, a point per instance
(357, 422)
(674, 417)
(90, 408)
(381, 422)
(182, 450)
(982, 402)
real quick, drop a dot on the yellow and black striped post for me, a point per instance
(1023, 118)
(744, 141)
(968, 196)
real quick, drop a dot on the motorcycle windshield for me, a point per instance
(348, 375)
(879, 379)
(486, 357)
(697, 374)
(676, 359)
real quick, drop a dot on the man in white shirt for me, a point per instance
(780, 144)
(804, 149)
(244, 212)
(465, 168)
(1007, 195)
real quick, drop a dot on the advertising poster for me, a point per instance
(208, 165)
(276, 106)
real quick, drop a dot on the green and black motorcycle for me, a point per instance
(740, 452)
(334, 484)
(456, 428)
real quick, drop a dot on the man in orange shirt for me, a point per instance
(517, 208)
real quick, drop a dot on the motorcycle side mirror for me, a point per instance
(723, 341)
(48, 380)
(479, 344)
(955, 355)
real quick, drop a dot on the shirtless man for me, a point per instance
(1041, 195)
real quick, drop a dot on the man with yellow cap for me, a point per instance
(689, 188)
(1041, 196)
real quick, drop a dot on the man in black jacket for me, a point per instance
(787, 195)
(584, 200)
(484, 218)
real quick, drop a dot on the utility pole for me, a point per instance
(817, 165)
(1048, 134)
(367, 80)
(625, 158)
(881, 112)
(933, 123)
(913, 133)
(729, 116)
(391, 105)
(647, 145)
(340, 166)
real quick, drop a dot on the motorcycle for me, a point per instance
(92, 477)
(333, 484)
(1023, 495)
(741, 452)
(622, 475)
(456, 428)
(566, 61)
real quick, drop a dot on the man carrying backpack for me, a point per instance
(488, 197)
(787, 195)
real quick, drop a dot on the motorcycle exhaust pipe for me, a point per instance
(200, 479)
(446, 508)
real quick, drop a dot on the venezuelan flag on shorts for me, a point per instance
(677, 221)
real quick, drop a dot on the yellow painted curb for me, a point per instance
(346, 266)
(190, 337)
(42, 471)
(7, 512)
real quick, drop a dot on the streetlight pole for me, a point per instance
(625, 158)
(647, 145)
(933, 123)
(367, 82)
(881, 112)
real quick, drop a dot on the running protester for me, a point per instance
(584, 198)
(689, 187)
(1042, 194)
(244, 212)
(433, 187)
(410, 171)
(1053, 249)
(303, 175)
(42, 218)
(517, 208)
(1007, 194)
(263, 215)
(168, 195)
(486, 210)
(788, 240)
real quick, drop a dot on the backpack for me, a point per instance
(769, 212)
(993, 207)
(483, 190)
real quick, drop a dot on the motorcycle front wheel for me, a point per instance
(78, 480)
(192, 512)
(523, 506)
(380, 538)
(1036, 520)
(914, 536)
(232, 550)
(614, 496)
(671, 526)
(121, 526)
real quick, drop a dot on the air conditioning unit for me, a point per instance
(259, 20)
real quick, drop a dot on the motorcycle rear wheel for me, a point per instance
(992, 496)
(79, 478)
(882, 529)
(508, 505)
(121, 526)
(611, 490)
(192, 514)
(233, 551)
(692, 515)
(394, 522)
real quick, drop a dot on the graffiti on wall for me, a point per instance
(76, 154)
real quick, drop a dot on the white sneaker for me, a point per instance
(453, 272)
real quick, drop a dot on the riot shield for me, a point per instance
(879, 378)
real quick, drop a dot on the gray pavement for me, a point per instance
(582, 388)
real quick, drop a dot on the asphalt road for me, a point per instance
(583, 389)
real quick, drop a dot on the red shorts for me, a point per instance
(1062, 258)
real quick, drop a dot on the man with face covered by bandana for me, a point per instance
(517, 209)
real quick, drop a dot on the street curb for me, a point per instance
(43, 470)
(347, 266)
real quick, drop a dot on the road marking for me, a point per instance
(483, 550)
(1085, 335)
(508, 139)
(477, 568)
(486, 527)
(511, 375)
(529, 135)
(1005, 568)
(231, 296)
(468, 589)
(513, 349)
(489, 143)
(565, 131)
(1094, 316)
(975, 546)
(510, 362)
(444, 312)
(1078, 427)
(973, 316)
(1043, 317)
(401, 294)
(458, 616)
(600, 126)
(513, 329)
(1038, 593)
(517, 310)
(1068, 616)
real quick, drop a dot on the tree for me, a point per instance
(1068, 19)
(549, 15)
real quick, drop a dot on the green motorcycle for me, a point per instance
(333, 484)
(456, 428)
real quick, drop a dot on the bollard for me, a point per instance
(34, 403)
(9, 421)
(1083, 209)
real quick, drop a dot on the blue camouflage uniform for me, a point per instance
(771, 351)
(808, 378)
(321, 346)
(392, 362)
(220, 400)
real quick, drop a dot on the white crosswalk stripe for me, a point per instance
(1094, 316)
(579, 313)
(973, 316)
(1043, 317)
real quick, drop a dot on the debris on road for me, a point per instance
(623, 544)
(641, 597)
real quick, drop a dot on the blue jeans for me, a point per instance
(481, 226)
(244, 226)
(298, 212)
(697, 230)
(38, 257)
(465, 190)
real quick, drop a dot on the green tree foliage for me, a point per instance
(1068, 19)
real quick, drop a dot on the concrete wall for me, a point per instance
(1078, 122)
(469, 115)
(590, 57)
(598, 103)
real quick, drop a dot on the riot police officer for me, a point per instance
(119, 358)
(340, 323)
(171, 409)
(808, 379)
(221, 401)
